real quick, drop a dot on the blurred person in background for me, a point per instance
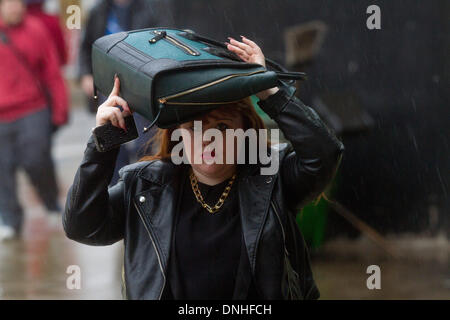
(53, 26)
(112, 16)
(33, 104)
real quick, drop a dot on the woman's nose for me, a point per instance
(206, 142)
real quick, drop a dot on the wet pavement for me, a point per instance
(419, 270)
(35, 266)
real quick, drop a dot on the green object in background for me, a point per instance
(258, 110)
(312, 219)
(312, 222)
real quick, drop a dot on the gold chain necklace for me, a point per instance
(199, 197)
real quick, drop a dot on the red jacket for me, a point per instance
(19, 90)
(53, 26)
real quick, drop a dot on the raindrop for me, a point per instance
(414, 104)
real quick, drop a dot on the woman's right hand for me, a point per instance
(108, 111)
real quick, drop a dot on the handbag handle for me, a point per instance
(281, 72)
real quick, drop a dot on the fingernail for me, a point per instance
(115, 75)
(242, 37)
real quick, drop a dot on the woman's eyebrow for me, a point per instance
(220, 118)
(213, 117)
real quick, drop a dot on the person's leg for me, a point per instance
(34, 148)
(11, 213)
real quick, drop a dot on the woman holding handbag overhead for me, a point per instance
(209, 230)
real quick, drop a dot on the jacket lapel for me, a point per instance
(159, 210)
(254, 199)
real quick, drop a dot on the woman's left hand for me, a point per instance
(250, 52)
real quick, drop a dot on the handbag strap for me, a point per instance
(281, 72)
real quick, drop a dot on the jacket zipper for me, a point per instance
(165, 100)
(176, 43)
(156, 250)
(124, 284)
(284, 238)
(282, 228)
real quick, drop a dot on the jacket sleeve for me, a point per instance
(95, 214)
(310, 166)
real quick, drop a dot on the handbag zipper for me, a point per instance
(165, 100)
(156, 250)
(174, 41)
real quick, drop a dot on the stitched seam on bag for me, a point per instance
(137, 51)
(128, 53)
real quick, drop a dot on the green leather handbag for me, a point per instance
(170, 76)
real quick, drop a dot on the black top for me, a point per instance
(206, 248)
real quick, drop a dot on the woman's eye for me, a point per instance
(221, 126)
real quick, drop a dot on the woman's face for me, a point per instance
(220, 119)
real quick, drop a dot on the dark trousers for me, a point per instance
(26, 143)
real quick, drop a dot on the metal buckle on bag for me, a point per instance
(159, 36)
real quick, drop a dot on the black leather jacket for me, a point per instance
(140, 208)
